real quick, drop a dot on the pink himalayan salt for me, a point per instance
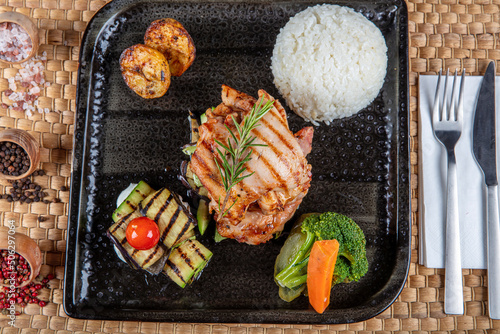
(15, 43)
(26, 86)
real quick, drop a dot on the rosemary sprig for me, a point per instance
(238, 151)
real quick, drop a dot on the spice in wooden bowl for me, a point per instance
(14, 160)
(22, 260)
(15, 269)
(19, 154)
(18, 38)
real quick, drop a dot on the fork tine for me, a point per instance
(444, 109)
(435, 108)
(452, 108)
(460, 108)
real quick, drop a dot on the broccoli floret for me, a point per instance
(351, 262)
(352, 243)
(341, 271)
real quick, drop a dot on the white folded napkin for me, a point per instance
(432, 181)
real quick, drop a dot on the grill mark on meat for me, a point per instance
(249, 188)
(242, 187)
(278, 116)
(278, 134)
(201, 158)
(256, 175)
(281, 112)
(277, 105)
(265, 161)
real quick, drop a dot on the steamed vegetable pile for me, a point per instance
(321, 251)
(154, 231)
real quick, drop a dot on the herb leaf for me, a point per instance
(232, 164)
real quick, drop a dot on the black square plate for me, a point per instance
(360, 166)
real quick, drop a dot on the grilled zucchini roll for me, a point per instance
(122, 216)
(175, 221)
(178, 254)
(131, 203)
(186, 262)
(170, 38)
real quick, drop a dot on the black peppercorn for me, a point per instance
(14, 159)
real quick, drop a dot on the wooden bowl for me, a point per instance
(28, 25)
(28, 143)
(27, 248)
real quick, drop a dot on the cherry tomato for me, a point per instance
(142, 233)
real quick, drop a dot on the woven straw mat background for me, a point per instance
(443, 34)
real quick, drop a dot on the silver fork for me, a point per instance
(447, 124)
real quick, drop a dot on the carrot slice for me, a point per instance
(320, 273)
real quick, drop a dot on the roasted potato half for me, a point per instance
(170, 38)
(145, 70)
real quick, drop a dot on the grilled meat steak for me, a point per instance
(262, 203)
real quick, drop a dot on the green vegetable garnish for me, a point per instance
(352, 263)
(189, 150)
(218, 238)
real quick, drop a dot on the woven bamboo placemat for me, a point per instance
(446, 33)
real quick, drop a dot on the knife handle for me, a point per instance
(453, 288)
(493, 253)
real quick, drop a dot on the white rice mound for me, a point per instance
(329, 62)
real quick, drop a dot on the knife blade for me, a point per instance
(484, 147)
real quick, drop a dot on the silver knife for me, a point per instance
(484, 146)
